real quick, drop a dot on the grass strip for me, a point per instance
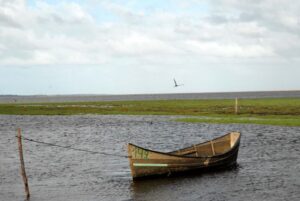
(277, 121)
(273, 111)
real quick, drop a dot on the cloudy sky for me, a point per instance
(134, 46)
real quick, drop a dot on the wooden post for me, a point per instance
(195, 150)
(23, 172)
(236, 109)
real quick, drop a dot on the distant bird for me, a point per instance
(177, 85)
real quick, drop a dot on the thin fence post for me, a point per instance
(236, 109)
(23, 172)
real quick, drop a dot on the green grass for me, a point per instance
(279, 111)
(265, 120)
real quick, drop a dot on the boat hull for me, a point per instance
(145, 162)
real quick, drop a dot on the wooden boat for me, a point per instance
(217, 153)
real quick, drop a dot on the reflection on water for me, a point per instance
(170, 188)
(268, 169)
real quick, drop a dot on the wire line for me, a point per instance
(72, 148)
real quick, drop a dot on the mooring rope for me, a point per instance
(72, 148)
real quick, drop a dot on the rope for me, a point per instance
(72, 148)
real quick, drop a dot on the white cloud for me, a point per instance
(66, 33)
(227, 50)
(160, 41)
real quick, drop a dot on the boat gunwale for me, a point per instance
(195, 157)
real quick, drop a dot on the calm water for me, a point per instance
(177, 96)
(269, 164)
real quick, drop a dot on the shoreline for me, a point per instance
(268, 111)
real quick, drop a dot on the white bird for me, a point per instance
(175, 83)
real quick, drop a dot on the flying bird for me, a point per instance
(177, 85)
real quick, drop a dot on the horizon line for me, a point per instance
(136, 94)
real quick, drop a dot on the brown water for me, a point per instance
(269, 160)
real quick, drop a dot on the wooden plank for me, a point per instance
(150, 165)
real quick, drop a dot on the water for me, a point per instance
(269, 164)
(177, 96)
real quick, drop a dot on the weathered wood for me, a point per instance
(212, 148)
(22, 169)
(196, 151)
(220, 152)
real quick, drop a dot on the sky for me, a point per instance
(137, 47)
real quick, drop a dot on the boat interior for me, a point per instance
(210, 148)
